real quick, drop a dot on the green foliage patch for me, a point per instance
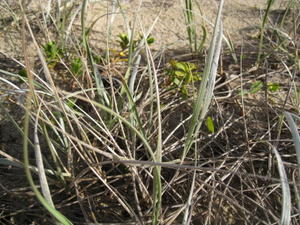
(181, 75)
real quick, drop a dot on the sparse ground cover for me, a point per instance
(149, 112)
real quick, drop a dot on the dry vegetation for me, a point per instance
(132, 135)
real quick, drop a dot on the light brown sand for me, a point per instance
(165, 20)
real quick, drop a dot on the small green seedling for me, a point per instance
(124, 41)
(53, 53)
(210, 124)
(22, 72)
(273, 87)
(258, 86)
(22, 75)
(181, 74)
(77, 66)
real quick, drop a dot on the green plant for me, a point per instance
(181, 74)
(210, 124)
(77, 66)
(258, 86)
(273, 87)
(100, 139)
(124, 41)
(53, 53)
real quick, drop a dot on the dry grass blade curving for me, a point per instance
(206, 88)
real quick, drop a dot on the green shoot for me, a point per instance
(182, 74)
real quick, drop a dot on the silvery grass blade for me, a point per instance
(295, 135)
(296, 140)
(286, 193)
(40, 165)
(134, 56)
(157, 187)
(189, 205)
(205, 91)
(51, 209)
(31, 102)
(133, 76)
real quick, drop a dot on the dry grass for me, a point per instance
(116, 138)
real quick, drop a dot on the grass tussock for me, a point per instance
(127, 133)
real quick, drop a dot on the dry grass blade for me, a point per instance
(157, 200)
(296, 140)
(206, 89)
(120, 123)
(40, 164)
(295, 135)
(286, 193)
(262, 30)
(28, 107)
(189, 205)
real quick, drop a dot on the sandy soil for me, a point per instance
(239, 17)
(165, 19)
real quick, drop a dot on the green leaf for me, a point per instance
(196, 77)
(76, 66)
(210, 124)
(184, 91)
(188, 78)
(179, 66)
(182, 74)
(256, 87)
(179, 74)
(150, 40)
(124, 41)
(22, 72)
(52, 52)
(176, 81)
(71, 102)
(273, 87)
(191, 66)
